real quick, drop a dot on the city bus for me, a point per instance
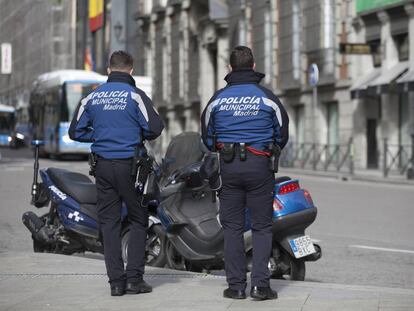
(52, 103)
(7, 122)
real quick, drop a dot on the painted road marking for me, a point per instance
(14, 169)
(394, 250)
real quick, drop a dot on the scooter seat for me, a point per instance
(76, 185)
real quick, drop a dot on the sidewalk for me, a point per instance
(56, 282)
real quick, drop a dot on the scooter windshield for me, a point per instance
(183, 150)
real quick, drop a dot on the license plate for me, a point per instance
(302, 246)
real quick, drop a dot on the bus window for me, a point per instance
(74, 93)
(6, 123)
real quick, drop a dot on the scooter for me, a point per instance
(71, 224)
(195, 238)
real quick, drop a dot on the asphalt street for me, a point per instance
(365, 229)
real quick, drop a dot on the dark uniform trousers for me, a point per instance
(247, 184)
(116, 185)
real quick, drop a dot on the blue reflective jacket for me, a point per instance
(116, 117)
(245, 112)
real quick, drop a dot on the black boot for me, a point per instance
(139, 287)
(117, 290)
(263, 293)
(234, 294)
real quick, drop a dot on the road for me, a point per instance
(366, 230)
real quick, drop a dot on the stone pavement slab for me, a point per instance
(56, 282)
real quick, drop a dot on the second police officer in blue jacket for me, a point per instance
(116, 117)
(242, 120)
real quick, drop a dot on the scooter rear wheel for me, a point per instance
(297, 269)
(290, 269)
(39, 247)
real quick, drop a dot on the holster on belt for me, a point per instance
(242, 151)
(274, 157)
(146, 183)
(143, 169)
(227, 152)
(92, 160)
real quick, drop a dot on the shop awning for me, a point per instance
(406, 81)
(387, 79)
(360, 86)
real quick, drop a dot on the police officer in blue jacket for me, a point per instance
(244, 121)
(116, 117)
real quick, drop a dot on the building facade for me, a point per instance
(360, 115)
(382, 89)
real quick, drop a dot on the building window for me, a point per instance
(403, 47)
(243, 29)
(300, 129)
(376, 52)
(403, 120)
(148, 60)
(404, 139)
(268, 46)
(165, 65)
(296, 39)
(181, 60)
(289, 43)
(333, 131)
(300, 124)
(333, 126)
(182, 121)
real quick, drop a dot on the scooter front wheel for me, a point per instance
(174, 259)
(155, 254)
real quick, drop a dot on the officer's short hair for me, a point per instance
(121, 60)
(241, 58)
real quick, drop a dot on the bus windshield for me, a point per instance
(75, 91)
(6, 122)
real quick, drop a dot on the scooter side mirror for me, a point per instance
(37, 142)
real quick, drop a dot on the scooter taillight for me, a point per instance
(277, 206)
(308, 196)
(290, 187)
